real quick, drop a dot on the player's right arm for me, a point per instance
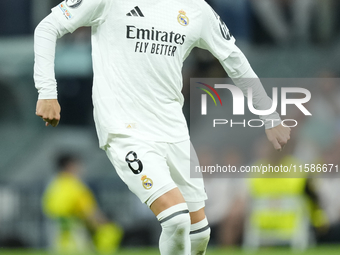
(66, 17)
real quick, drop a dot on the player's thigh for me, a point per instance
(180, 158)
(167, 200)
(141, 165)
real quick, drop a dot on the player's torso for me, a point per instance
(138, 54)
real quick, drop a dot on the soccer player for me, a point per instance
(138, 48)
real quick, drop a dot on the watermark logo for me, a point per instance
(302, 96)
(238, 100)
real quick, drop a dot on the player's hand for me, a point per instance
(49, 111)
(278, 136)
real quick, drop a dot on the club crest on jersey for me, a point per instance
(73, 3)
(146, 182)
(182, 18)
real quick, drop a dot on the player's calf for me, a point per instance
(175, 222)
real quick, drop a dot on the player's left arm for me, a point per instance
(239, 69)
(216, 38)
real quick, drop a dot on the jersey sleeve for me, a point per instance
(73, 14)
(216, 38)
(215, 35)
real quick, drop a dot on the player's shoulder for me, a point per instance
(201, 7)
(99, 4)
(202, 4)
(198, 8)
(195, 4)
(105, 3)
(80, 4)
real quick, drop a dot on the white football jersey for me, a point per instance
(138, 48)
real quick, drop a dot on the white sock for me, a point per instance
(175, 222)
(199, 237)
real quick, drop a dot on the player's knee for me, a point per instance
(176, 230)
(175, 222)
(176, 219)
(179, 221)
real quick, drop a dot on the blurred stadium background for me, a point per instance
(281, 38)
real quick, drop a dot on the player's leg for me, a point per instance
(173, 214)
(142, 166)
(192, 189)
(199, 229)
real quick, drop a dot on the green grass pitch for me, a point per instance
(324, 250)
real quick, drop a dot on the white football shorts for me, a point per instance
(150, 169)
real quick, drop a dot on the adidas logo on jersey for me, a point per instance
(135, 12)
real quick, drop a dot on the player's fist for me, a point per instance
(49, 111)
(278, 136)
